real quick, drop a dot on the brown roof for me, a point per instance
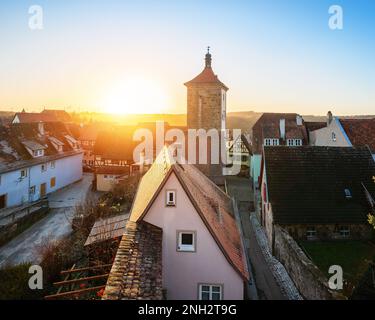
(60, 115)
(89, 133)
(206, 76)
(136, 273)
(315, 125)
(360, 131)
(106, 229)
(30, 117)
(212, 204)
(268, 126)
(13, 154)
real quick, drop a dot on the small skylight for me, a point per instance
(348, 194)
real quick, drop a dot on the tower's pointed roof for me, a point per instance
(207, 75)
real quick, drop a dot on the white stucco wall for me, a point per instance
(323, 136)
(105, 182)
(183, 271)
(67, 170)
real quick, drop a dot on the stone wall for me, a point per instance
(309, 280)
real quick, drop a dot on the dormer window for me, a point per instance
(271, 142)
(171, 198)
(38, 153)
(294, 142)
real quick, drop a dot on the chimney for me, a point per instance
(41, 128)
(299, 120)
(282, 129)
(329, 118)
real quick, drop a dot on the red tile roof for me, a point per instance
(30, 117)
(360, 131)
(60, 115)
(206, 76)
(213, 205)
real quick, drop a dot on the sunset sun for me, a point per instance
(136, 95)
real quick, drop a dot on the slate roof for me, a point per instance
(212, 204)
(360, 131)
(307, 184)
(136, 273)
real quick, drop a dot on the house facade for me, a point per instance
(275, 129)
(345, 133)
(200, 251)
(36, 159)
(317, 193)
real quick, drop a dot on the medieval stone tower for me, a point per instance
(206, 106)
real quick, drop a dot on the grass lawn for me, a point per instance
(352, 256)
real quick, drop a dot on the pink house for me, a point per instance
(182, 240)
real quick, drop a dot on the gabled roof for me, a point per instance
(307, 184)
(361, 132)
(60, 115)
(31, 117)
(15, 138)
(268, 126)
(315, 125)
(212, 204)
(32, 145)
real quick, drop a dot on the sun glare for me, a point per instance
(136, 95)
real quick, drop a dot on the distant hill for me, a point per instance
(243, 120)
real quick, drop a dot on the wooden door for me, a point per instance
(3, 201)
(43, 190)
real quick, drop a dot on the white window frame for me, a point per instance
(334, 137)
(184, 247)
(168, 202)
(44, 165)
(53, 164)
(344, 233)
(210, 290)
(311, 232)
(23, 175)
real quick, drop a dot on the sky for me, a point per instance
(134, 56)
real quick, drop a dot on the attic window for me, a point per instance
(170, 198)
(334, 137)
(348, 194)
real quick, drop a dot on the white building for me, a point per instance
(36, 159)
